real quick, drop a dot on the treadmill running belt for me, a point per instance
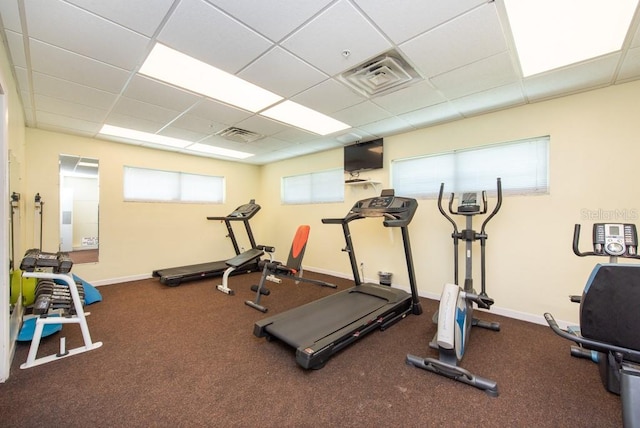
(192, 269)
(329, 315)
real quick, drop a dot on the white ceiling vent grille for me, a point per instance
(239, 135)
(386, 73)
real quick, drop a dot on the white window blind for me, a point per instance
(141, 184)
(522, 165)
(316, 187)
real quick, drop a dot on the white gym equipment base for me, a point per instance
(78, 318)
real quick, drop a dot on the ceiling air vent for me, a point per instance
(386, 73)
(239, 135)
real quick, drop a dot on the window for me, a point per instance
(522, 165)
(152, 185)
(317, 187)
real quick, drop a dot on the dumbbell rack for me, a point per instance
(78, 318)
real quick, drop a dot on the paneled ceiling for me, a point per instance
(76, 64)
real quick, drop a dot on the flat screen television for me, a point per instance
(363, 156)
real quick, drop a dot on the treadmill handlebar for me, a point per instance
(397, 211)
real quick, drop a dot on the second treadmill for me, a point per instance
(174, 276)
(319, 329)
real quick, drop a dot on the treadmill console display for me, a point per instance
(398, 210)
(245, 210)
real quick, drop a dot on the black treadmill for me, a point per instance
(319, 329)
(176, 275)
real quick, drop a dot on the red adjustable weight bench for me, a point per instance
(273, 270)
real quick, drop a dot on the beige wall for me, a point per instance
(531, 268)
(137, 237)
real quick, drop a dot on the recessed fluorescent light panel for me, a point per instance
(305, 118)
(205, 148)
(143, 137)
(146, 137)
(181, 70)
(554, 33)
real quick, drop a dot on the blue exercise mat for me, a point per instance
(29, 328)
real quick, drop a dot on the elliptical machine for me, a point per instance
(455, 313)
(609, 316)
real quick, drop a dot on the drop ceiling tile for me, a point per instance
(44, 84)
(410, 98)
(15, 42)
(404, 19)
(282, 73)
(218, 112)
(353, 135)
(70, 109)
(322, 144)
(432, 115)
(261, 125)
(153, 92)
(75, 130)
(181, 134)
(26, 100)
(635, 42)
(328, 97)
(491, 100)
(273, 19)
(69, 66)
(22, 77)
(386, 127)
(76, 30)
(294, 135)
(485, 74)
(65, 122)
(141, 110)
(630, 69)
(445, 41)
(576, 78)
(267, 144)
(309, 148)
(464, 40)
(341, 27)
(198, 124)
(143, 16)
(203, 32)
(361, 114)
(10, 15)
(256, 150)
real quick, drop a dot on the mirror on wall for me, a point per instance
(79, 208)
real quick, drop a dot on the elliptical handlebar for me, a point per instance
(443, 212)
(496, 208)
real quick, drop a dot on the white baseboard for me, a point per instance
(120, 279)
(505, 312)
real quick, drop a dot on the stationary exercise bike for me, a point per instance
(609, 315)
(455, 313)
